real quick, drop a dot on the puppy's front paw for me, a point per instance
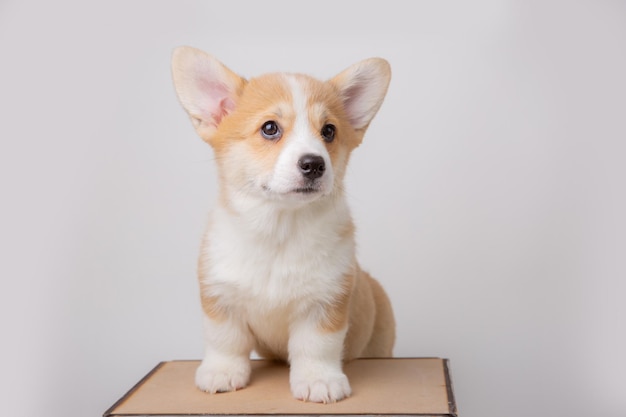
(223, 377)
(325, 388)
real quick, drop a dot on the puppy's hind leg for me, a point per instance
(384, 332)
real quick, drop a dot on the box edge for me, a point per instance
(452, 408)
(109, 411)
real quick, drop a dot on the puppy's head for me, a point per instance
(280, 137)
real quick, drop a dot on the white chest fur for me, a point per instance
(275, 263)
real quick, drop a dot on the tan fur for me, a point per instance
(371, 331)
(384, 332)
(210, 304)
(336, 314)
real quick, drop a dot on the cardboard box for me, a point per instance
(395, 386)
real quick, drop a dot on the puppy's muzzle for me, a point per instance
(312, 166)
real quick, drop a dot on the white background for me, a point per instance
(489, 193)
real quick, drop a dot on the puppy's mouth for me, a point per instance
(304, 190)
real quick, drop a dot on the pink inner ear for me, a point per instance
(227, 105)
(217, 101)
(352, 100)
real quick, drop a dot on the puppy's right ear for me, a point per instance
(206, 89)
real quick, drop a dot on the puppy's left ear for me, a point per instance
(363, 87)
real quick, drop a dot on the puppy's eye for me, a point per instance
(328, 132)
(270, 130)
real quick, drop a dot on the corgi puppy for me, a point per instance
(278, 272)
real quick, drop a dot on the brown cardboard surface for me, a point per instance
(407, 386)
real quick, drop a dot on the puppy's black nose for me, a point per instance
(312, 166)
